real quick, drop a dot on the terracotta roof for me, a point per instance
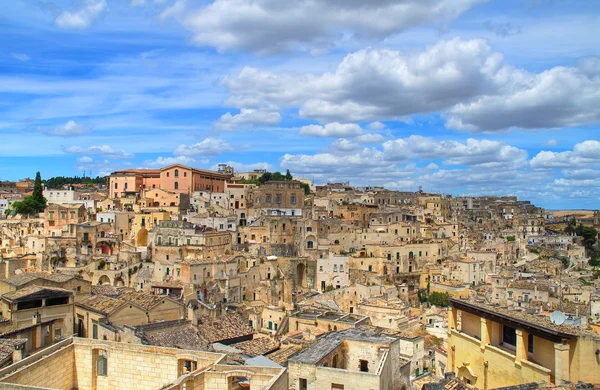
(105, 289)
(224, 327)
(143, 300)
(257, 346)
(22, 279)
(282, 355)
(100, 304)
(183, 337)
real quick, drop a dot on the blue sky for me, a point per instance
(458, 96)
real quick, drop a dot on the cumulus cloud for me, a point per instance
(334, 129)
(166, 161)
(102, 150)
(267, 26)
(81, 18)
(474, 152)
(69, 129)
(369, 138)
(343, 145)
(209, 147)
(247, 118)
(20, 56)
(464, 80)
(376, 126)
(584, 154)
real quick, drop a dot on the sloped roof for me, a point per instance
(35, 292)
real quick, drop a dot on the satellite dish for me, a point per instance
(557, 317)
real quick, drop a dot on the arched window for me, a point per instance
(101, 364)
(176, 185)
(309, 245)
(177, 173)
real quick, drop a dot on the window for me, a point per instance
(176, 173)
(320, 268)
(95, 331)
(116, 186)
(268, 198)
(509, 336)
(176, 185)
(102, 364)
(184, 174)
(370, 268)
(57, 333)
(530, 343)
(278, 199)
(341, 267)
(309, 245)
(293, 199)
(303, 384)
(364, 366)
(167, 174)
(335, 268)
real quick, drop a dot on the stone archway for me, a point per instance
(119, 282)
(301, 274)
(141, 239)
(103, 279)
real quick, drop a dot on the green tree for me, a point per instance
(306, 188)
(588, 233)
(439, 299)
(36, 203)
(288, 175)
(38, 191)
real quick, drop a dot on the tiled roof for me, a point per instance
(34, 292)
(143, 300)
(105, 289)
(282, 355)
(21, 279)
(540, 321)
(225, 327)
(183, 337)
(100, 304)
(257, 346)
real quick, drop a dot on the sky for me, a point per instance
(463, 97)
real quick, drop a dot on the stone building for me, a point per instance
(77, 363)
(496, 347)
(353, 359)
(276, 198)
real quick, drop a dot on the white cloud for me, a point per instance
(464, 80)
(584, 154)
(551, 142)
(69, 129)
(247, 118)
(166, 161)
(82, 18)
(334, 129)
(369, 138)
(137, 3)
(267, 26)
(96, 167)
(474, 152)
(376, 126)
(209, 147)
(102, 150)
(343, 145)
(174, 11)
(20, 56)
(241, 167)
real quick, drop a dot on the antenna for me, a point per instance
(557, 317)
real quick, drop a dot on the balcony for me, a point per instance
(491, 366)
